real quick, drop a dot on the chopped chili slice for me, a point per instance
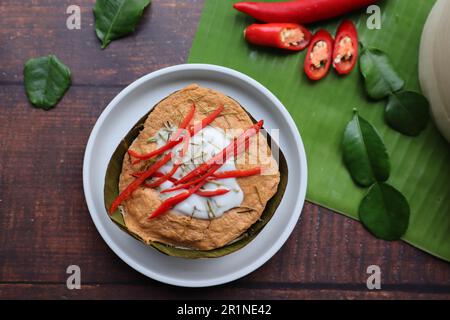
(203, 193)
(304, 11)
(210, 170)
(184, 185)
(172, 143)
(126, 193)
(232, 149)
(164, 178)
(193, 129)
(212, 193)
(183, 125)
(319, 56)
(153, 153)
(170, 203)
(237, 173)
(173, 201)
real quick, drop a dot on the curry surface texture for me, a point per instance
(182, 230)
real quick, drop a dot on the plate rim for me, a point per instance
(295, 213)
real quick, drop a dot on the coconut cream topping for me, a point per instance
(201, 147)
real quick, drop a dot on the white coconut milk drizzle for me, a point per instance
(202, 146)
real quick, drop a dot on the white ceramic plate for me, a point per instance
(135, 101)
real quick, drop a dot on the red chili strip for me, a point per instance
(345, 54)
(184, 185)
(212, 193)
(164, 178)
(172, 143)
(168, 204)
(237, 173)
(173, 201)
(202, 193)
(217, 176)
(183, 125)
(232, 149)
(193, 129)
(126, 193)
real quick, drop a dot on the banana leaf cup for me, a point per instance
(111, 191)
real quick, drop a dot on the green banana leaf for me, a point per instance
(420, 166)
(111, 191)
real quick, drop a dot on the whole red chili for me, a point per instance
(345, 53)
(289, 36)
(319, 56)
(303, 11)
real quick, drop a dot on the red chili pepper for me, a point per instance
(237, 173)
(217, 176)
(172, 143)
(170, 203)
(126, 193)
(164, 178)
(210, 170)
(212, 193)
(288, 36)
(173, 201)
(160, 174)
(303, 12)
(345, 53)
(184, 185)
(319, 56)
(154, 153)
(225, 154)
(194, 129)
(202, 193)
(183, 125)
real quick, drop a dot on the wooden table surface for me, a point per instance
(45, 225)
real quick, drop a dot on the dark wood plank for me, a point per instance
(105, 291)
(44, 220)
(163, 38)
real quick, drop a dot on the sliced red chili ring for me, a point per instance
(319, 56)
(289, 36)
(346, 47)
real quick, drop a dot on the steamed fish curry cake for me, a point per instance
(198, 175)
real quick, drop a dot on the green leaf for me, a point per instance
(381, 79)
(117, 18)
(407, 112)
(365, 154)
(46, 80)
(385, 212)
(111, 191)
